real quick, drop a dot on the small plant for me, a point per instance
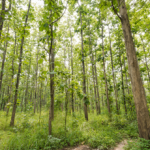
(140, 144)
(52, 143)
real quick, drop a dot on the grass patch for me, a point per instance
(31, 131)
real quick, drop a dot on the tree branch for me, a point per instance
(115, 11)
(45, 48)
(7, 10)
(60, 16)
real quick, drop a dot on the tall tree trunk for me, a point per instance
(93, 73)
(19, 70)
(145, 59)
(83, 66)
(127, 83)
(106, 85)
(12, 77)
(41, 91)
(51, 69)
(2, 14)
(36, 86)
(72, 93)
(136, 81)
(122, 82)
(114, 80)
(97, 88)
(66, 91)
(26, 92)
(3, 61)
(2, 96)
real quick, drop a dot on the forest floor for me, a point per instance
(120, 146)
(31, 132)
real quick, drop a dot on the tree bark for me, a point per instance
(26, 92)
(12, 77)
(3, 61)
(36, 86)
(114, 80)
(83, 67)
(106, 85)
(72, 93)
(136, 81)
(145, 59)
(93, 73)
(122, 82)
(51, 69)
(2, 14)
(19, 69)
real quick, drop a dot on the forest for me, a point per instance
(74, 74)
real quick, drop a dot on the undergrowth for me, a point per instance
(31, 131)
(138, 144)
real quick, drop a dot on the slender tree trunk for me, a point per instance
(41, 98)
(36, 86)
(68, 83)
(66, 91)
(72, 93)
(51, 68)
(122, 82)
(97, 88)
(22, 97)
(127, 83)
(146, 59)
(114, 80)
(19, 70)
(106, 85)
(136, 81)
(3, 61)
(93, 73)
(12, 77)
(26, 92)
(2, 96)
(2, 14)
(83, 66)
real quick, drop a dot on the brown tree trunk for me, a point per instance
(145, 59)
(122, 82)
(2, 14)
(19, 70)
(114, 80)
(51, 69)
(136, 81)
(26, 92)
(3, 61)
(130, 100)
(93, 73)
(72, 92)
(12, 77)
(106, 85)
(97, 88)
(84, 78)
(36, 86)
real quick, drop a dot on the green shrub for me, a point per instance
(140, 144)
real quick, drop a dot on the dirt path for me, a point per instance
(121, 145)
(85, 147)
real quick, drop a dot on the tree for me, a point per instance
(2, 14)
(134, 71)
(19, 68)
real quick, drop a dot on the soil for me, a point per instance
(85, 147)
